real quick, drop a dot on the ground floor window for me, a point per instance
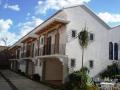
(91, 64)
(72, 62)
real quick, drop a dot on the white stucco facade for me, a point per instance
(98, 48)
(78, 17)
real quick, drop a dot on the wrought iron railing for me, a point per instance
(51, 49)
(45, 50)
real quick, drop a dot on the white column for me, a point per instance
(64, 62)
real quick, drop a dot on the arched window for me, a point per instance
(115, 51)
(110, 50)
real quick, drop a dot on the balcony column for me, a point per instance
(26, 68)
(12, 65)
(43, 70)
(16, 54)
(64, 61)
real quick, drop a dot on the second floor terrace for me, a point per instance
(46, 39)
(34, 49)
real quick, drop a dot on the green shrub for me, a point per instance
(77, 80)
(92, 87)
(111, 71)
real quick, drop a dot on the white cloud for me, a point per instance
(29, 25)
(12, 7)
(109, 17)
(5, 25)
(24, 28)
(43, 6)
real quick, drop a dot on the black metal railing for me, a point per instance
(26, 54)
(51, 49)
(45, 50)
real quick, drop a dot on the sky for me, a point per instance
(18, 17)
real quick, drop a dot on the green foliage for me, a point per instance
(83, 37)
(111, 71)
(78, 80)
(83, 41)
(92, 87)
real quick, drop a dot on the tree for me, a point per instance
(83, 41)
(4, 40)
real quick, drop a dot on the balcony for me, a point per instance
(45, 50)
(14, 56)
(28, 53)
(17, 56)
(51, 49)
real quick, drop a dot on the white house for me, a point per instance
(52, 49)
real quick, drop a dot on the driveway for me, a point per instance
(22, 83)
(3, 84)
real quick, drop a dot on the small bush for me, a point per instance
(22, 73)
(92, 87)
(19, 71)
(77, 80)
(111, 71)
(36, 77)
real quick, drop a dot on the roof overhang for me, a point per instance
(29, 40)
(14, 48)
(50, 24)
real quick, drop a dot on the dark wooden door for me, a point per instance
(48, 45)
(56, 47)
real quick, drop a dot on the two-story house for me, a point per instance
(52, 49)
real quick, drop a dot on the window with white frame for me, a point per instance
(73, 62)
(42, 40)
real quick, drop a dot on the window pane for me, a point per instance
(91, 36)
(72, 62)
(110, 50)
(115, 51)
(42, 41)
(73, 33)
(91, 64)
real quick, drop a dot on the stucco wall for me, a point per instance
(22, 67)
(97, 50)
(39, 68)
(114, 36)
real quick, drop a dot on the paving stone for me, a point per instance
(3, 84)
(22, 83)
